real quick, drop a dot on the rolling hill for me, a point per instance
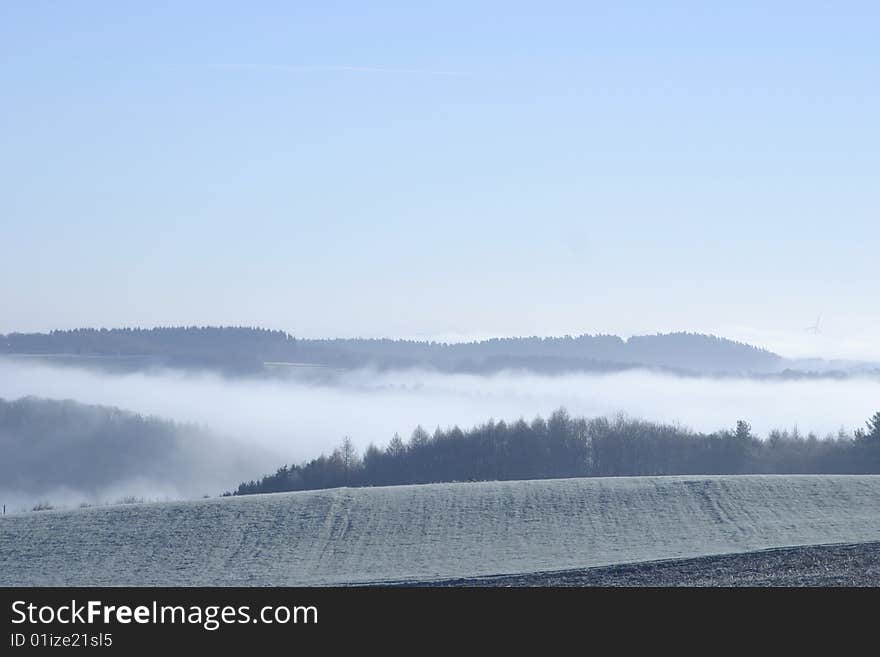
(432, 532)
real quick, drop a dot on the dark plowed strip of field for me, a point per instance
(814, 565)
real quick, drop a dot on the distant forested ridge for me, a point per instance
(563, 446)
(48, 445)
(244, 349)
(231, 348)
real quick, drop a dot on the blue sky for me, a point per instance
(461, 169)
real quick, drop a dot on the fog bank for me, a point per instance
(294, 419)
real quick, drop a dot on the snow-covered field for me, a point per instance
(434, 531)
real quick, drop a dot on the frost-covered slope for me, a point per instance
(433, 531)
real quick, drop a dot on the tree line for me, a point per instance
(247, 349)
(564, 446)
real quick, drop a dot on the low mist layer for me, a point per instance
(273, 421)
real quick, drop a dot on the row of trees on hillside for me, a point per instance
(563, 446)
(244, 349)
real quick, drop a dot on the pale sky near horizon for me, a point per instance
(459, 169)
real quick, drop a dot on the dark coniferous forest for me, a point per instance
(52, 443)
(563, 446)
